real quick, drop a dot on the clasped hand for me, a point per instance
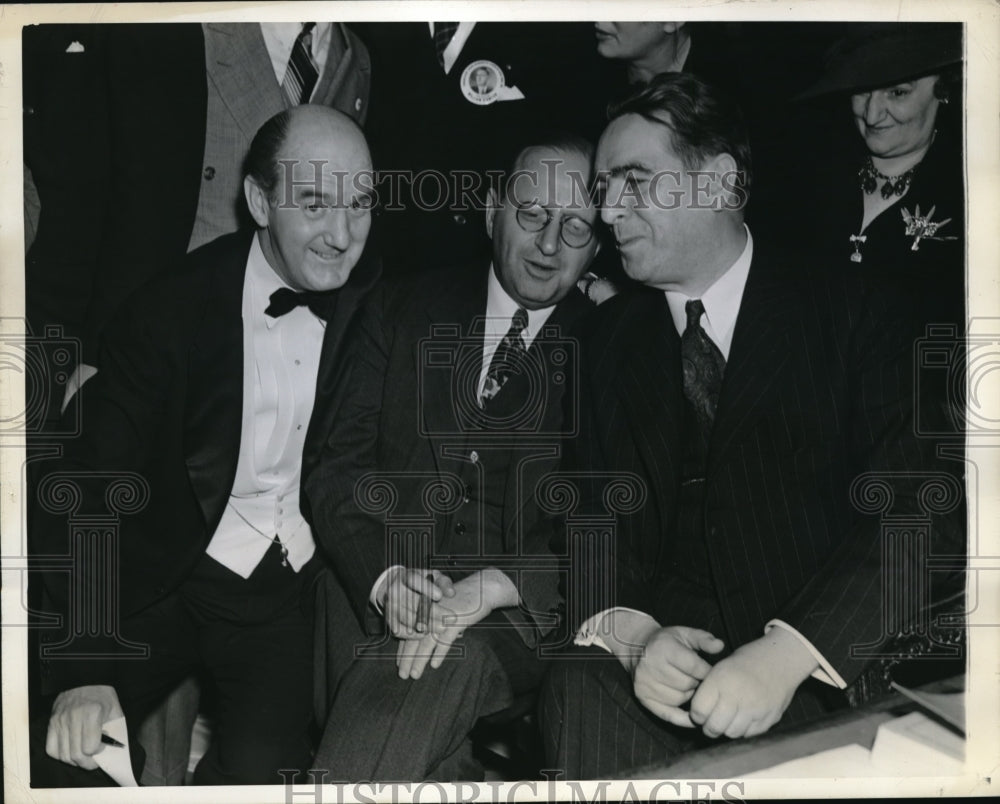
(743, 695)
(453, 608)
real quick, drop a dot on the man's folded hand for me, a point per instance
(747, 693)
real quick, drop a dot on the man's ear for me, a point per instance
(492, 205)
(672, 27)
(722, 168)
(257, 201)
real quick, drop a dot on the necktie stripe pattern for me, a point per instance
(507, 356)
(703, 366)
(301, 73)
(443, 33)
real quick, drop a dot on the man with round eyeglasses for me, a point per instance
(479, 361)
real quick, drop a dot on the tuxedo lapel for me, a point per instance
(214, 407)
(242, 73)
(332, 361)
(759, 352)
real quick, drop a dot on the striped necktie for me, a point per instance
(443, 34)
(301, 73)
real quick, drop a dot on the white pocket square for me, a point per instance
(75, 47)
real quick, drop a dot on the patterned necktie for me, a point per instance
(703, 366)
(510, 351)
(301, 73)
(443, 33)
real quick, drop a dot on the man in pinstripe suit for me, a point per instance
(748, 392)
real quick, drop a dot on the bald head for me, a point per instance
(309, 188)
(300, 133)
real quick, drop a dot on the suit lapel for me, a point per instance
(340, 59)
(444, 395)
(332, 362)
(651, 392)
(759, 351)
(214, 408)
(242, 73)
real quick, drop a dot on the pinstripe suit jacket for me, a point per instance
(818, 389)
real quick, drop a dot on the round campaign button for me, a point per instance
(481, 81)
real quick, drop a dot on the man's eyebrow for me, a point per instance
(618, 171)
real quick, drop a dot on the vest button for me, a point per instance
(460, 529)
(459, 219)
(209, 173)
(357, 104)
(474, 456)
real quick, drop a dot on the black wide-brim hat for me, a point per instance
(881, 54)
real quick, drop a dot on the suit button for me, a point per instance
(29, 110)
(474, 456)
(460, 529)
(209, 173)
(452, 562)
(357, 104)
(459, 218)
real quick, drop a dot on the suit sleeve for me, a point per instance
(352, 537)
(846, 607)
(122, 408)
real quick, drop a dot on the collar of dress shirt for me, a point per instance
(500, 309)
(279, 37)
(722, 301)
(264, 281)
(454, 49)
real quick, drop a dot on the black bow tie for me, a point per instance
(284, 300)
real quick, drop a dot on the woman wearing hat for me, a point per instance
(897, 209)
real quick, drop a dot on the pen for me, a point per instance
(424, 609)
(107, 739)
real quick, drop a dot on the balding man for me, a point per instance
(206, 394)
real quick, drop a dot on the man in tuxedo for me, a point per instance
(750, 398)
(106, 104)
(451, 418)
(202, 419)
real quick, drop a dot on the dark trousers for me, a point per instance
(593, 726)
(385, 728)
(253, 640)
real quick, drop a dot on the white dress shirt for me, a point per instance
(279, 37)
(722, 306)
(454, 49)
(280, 364)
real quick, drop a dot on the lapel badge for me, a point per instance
(481, 82)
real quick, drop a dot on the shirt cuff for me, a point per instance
(591, 630)
(825, 671)
(378, 582)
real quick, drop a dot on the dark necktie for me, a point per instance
(284, 300)
(301, 73)
(443, 33)
(703, 366)
(510, 351)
